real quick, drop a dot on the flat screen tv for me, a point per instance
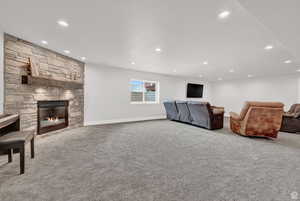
(194, 90)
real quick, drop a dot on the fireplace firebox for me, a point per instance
(52, 115)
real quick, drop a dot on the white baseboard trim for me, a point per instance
(125, 120)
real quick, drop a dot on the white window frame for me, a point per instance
(146, 102)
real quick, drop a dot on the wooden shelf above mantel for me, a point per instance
(49, 82)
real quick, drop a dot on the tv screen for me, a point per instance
(194, 90)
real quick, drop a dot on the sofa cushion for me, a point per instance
(183, 111)
(171, 110)
(249, 104)
(201, 113)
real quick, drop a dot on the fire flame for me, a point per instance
(52, 119)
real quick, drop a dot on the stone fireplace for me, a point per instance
(52, 115)
(59, 84)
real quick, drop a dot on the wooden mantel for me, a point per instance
(34, 77)
(42, 81)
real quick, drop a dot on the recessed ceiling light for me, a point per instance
(268, 47)
(298, 70)
(205, 62)
(231, 70)
(200, 75)
(62, 23)
(83, 58)
(224, 14)
(288, 61)
(44, 42)
(158, 49)
(250, 75)
(220, 79)
(132, 62)
(174, 70)
(67, 51)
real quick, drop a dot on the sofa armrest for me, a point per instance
(235, 116)
(217, 111)
(217, 119)
(216, 107)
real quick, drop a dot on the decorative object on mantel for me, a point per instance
(35, 77)
(75, 76)
(34, 67)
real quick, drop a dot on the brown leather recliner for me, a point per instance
(258, 119)
(291, 120)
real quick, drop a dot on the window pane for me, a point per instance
(136, 96)
(150, 92)
(136, 88)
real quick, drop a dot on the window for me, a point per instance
(144, 91)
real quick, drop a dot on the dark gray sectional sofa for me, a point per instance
(200, 114)
(171, 110)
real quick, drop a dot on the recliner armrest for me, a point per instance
(216, 107)
(235, 116)
(217, 111)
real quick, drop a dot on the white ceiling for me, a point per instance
(117, 32)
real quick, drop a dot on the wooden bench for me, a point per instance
(12, 139)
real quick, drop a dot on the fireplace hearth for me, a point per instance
(52, 115)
